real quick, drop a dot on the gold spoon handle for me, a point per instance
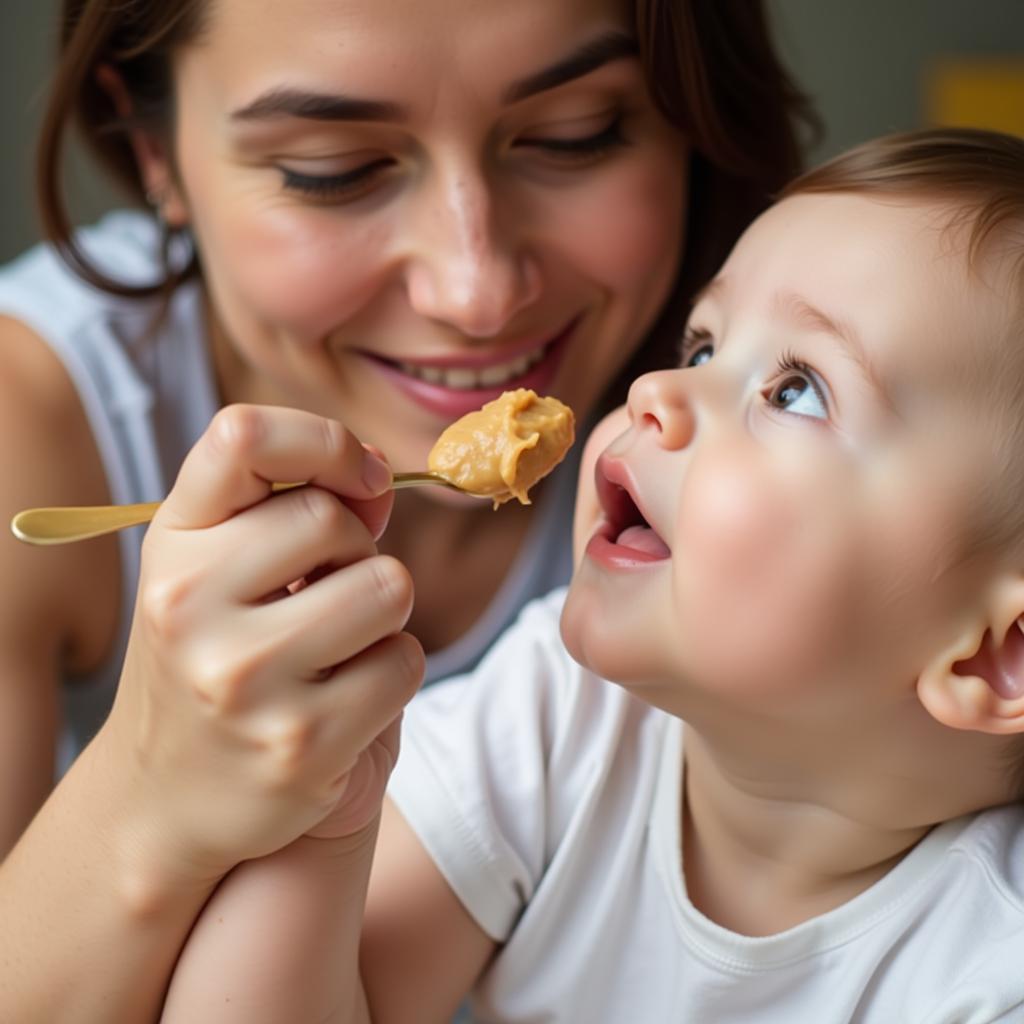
(67, 524)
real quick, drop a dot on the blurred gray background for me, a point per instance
(871, 66)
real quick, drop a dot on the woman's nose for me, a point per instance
(660, 402)
(467, 268)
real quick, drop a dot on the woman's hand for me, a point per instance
(267, 668)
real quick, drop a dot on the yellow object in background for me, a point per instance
(977, 93)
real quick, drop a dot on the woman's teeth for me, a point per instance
(463, 378)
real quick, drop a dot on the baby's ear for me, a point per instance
(978, 684)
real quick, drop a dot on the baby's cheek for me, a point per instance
(760, 585)
(733, 524)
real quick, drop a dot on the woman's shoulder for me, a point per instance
(117, 358)
(42, 290)
(48, 457)
(38, 404)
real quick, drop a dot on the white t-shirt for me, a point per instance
(550, 800)
(148, 396)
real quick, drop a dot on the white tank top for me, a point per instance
(149, 394)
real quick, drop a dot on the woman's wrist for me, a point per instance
(153, 873)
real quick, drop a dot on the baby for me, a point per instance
(801, 558)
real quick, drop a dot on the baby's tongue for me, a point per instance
(644, 539)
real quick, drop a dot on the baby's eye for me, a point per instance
(700, 356)
(697, 348)
(798, 393)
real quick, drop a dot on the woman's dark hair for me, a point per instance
(137, 40)
(710, 65)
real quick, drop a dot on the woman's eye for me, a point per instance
(583, 149)
(799, 394)
(335, 187)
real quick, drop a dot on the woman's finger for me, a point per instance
(328, 622)
(248, 447)
(286, 538)
(365, 694)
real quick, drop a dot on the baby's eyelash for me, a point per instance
(789, 363)
(693, 338)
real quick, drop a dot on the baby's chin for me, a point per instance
(580, 613)
(570, 638)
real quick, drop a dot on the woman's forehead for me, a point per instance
(342, 28)
(414, 56)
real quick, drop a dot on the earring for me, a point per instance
(155, 199)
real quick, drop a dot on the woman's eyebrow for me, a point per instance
(316, 106)
(283, 101)
(613, 45)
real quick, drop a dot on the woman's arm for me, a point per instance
(58, 606)
(85, 935)
(265, 665)
(281, 938)
(92, 927)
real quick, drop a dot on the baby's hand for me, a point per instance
(267, 668)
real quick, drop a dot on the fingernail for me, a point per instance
(376, 474)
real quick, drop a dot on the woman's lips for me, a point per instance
(438, 385)
(623, 539)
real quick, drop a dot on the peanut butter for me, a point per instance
(504, 448)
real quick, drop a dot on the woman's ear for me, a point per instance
(156, 168)
(978, 684)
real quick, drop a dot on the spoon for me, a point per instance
(66, 524)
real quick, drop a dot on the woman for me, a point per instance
(379, 214)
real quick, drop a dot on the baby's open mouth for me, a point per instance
(625, 525)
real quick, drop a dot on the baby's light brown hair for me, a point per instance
(979, 173)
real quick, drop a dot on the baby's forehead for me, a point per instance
(901, 274)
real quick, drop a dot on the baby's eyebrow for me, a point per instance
(800, 311)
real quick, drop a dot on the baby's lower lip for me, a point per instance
(606, 551)
(445, 397)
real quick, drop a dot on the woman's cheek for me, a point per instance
(626, 229)
(296, 268)
(301, 271)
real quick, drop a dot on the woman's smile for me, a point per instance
(451, 386)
